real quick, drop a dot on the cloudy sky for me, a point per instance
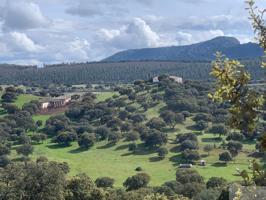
(54, 31)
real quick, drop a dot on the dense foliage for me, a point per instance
(125, 72)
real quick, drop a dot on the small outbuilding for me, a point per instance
(203, 163)
(185, 166)
(176, 79)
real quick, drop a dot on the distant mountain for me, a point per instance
(203, 51)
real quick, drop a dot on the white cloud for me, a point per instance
(75, 50)
(137, 34)
(225, 22)
(25, 62)
(89, 8)
(23, 14)
(21, 42)
(185, 38)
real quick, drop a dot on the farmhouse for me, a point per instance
(55, 103)
(177, 79)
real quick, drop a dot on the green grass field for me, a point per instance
(117, 162)
(25, 98)
(102, 96)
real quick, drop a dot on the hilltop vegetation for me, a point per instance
(144, 128)
(203, 51)
(114, 72)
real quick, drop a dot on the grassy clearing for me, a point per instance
(25, 98)
(114, 162)
(117, 162)
(102, 96)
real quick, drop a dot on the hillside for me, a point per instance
(114, 72)
(203, 51)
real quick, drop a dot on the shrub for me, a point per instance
(187, 136)
(189, 144)
(162, 152)
(235, 136)
(225, 157)
(215, 182)
(137, 181)
(190, 155)
(104, 182)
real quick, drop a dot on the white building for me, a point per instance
(45, 105)
(174, 78)
(56, 103)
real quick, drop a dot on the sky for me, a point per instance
(54, 31)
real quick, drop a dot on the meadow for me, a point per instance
(119, 163)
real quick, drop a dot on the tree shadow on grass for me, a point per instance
(155, 159)
(78, 150)
(191, 127)
(20, 159)
(127, 154)
(141, 150)
(219, 164)
(176, 159)
(256, 154)
(144, 150)
(56, 146)
(122, 147)
(106, 146)
(211, 139)
(175, 149)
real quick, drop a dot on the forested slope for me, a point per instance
(113, 72)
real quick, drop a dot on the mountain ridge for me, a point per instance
(202, 51)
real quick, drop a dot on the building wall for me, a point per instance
(45, 105)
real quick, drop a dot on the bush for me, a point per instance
(234, 147)
(86, 140)
(156, 123)
(104, 182)
(207, 194)
(132, 136)
(162, 152)
(137, 181)
(190, 155)
(102, 133)
(200, 125)
(218, 129)
(202, 117)
(25, 149)
(215, 182)
(235, 136)
(65, 138)
(189, 144)
(155, 138)
(187, 136)
(132, 147)
(225, 157)
(4, 150)
(4, 161)
(188, 176)
(138, 169)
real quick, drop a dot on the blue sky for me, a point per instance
(54, 31)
